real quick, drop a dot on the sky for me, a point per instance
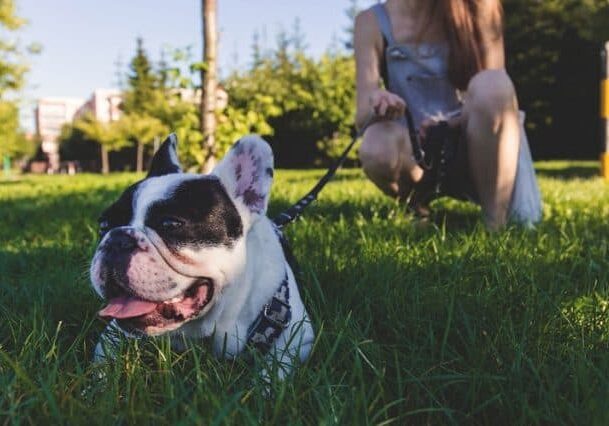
(82, 40)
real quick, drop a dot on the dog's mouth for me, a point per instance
(136, 313)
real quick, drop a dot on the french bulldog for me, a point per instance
(195, 256)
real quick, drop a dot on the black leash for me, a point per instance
(292, 213)
(424, 161)
(417, 149)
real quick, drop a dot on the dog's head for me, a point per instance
(173, 241)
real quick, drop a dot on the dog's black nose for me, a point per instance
(120, 242)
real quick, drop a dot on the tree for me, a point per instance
(351, 13)
(142, 82)
(256, 50)
(14, 143)
(305, 106)
(108, 135)
(140, 102)
(12, 64)
(13, 68)
(75, 146)
(177, 106)
(142, 128)
(552, 54)
(209, 83)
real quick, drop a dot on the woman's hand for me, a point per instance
(386, 105)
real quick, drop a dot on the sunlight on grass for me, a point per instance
(416, 324)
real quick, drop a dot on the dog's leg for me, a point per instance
(107, 346)
(291, 348)
(105, 352)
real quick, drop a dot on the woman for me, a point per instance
(443, 59)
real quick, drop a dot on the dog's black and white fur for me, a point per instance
(196, 256)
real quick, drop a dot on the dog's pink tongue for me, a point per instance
(127, 307)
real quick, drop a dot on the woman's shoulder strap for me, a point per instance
(384, 23)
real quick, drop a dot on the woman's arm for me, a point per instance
(371, 99)
(492, 34)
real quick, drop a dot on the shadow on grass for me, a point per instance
(329, 212)
(48, 284)
(349, 176)
(457, 220)
(569, 171)
(9, 182)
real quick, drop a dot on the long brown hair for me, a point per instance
(466, 24)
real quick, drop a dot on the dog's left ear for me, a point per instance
(165, 160)
(247, 172)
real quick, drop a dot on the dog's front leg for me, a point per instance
(108, 345)
(105, 352)
(293, 347)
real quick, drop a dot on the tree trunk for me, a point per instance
(105, 160)
(209, 84)
(139, 160)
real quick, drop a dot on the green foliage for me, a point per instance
(308, 103)
(182, 118)
(441, 324)
(143, 83)
(305, 105)
(157, 101)
(552, 53)
(107, 134)
(13, 68)
(13, 142)
(141, 100)
(75, 146)
(176, 107)
(140, 127)
(8, 15)
(233, 123)
(12, 62)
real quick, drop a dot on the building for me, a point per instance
(50, 115)
(104, 105)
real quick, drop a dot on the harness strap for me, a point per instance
(272, 320)
(384, 22)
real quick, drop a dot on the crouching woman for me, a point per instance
(443, 60)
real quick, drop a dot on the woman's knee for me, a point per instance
(491, 92)
(379, 152)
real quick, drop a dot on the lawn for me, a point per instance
(435, 324)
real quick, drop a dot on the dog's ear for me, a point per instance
(165, 160)
(247, 172)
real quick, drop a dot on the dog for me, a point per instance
(195, 256)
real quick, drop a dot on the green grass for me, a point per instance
(434, 324)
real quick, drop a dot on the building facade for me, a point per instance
(53, 112)
(50, 115)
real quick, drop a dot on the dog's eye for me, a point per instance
(170, 223)
(104, 226)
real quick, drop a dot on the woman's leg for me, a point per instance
(492, 131)
(386, 156)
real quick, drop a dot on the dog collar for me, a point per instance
(272, 320)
